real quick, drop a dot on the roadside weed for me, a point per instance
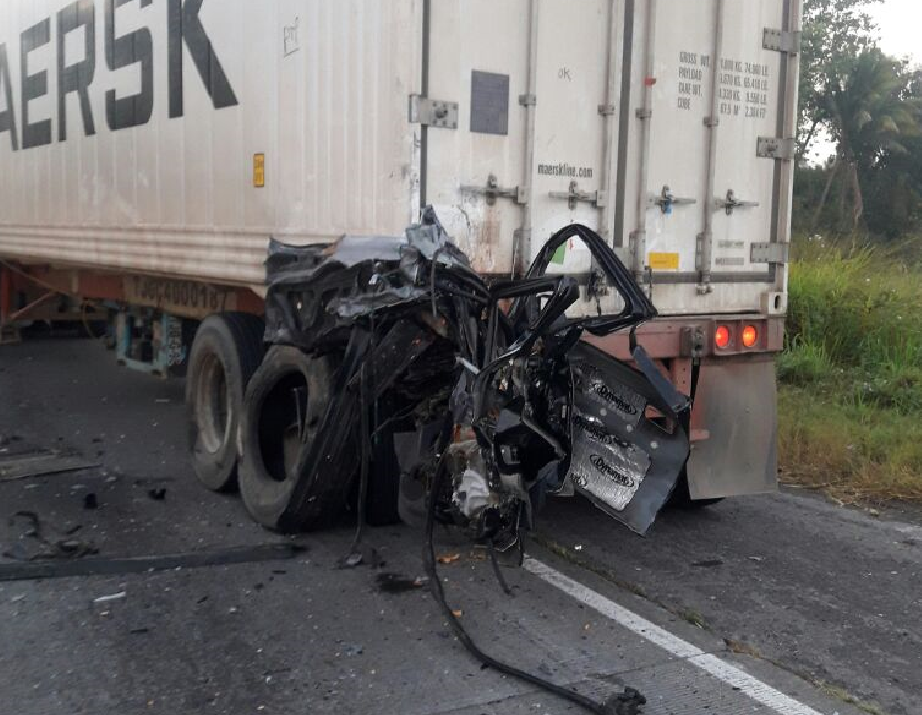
(851, 375)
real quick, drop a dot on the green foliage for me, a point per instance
(869, 105)
(835, 32)
(804, 364)
(858, 304)
(870, 114)
(851, 373)
(854, 452)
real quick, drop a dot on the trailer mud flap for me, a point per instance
(629, 432)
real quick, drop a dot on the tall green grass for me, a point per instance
(851, 372)
(864, 309)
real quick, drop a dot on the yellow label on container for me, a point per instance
(664, 261)
(259, 171)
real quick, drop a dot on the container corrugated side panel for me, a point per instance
(322, 90)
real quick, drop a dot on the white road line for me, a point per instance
(729, 674)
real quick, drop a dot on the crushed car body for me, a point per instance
(481, 395)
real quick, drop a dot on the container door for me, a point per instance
(573, 115)
(676, 190)
(745, 198)
(528, 155)
(713, 206)
(471, 172)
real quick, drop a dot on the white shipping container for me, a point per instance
(175, 137)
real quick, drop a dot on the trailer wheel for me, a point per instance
(227, 350)
(288, 395)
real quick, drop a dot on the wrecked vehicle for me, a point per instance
(398, 374)
(164, 244)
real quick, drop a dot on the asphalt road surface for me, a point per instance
(780, 604)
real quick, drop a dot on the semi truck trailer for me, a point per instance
(150, 151)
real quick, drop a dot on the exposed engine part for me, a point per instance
(472, 494)
(529, 408)
(507, 406)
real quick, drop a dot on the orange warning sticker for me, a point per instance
(259, 171)
(664, 261)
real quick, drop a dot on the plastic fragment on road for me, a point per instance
(120, 596)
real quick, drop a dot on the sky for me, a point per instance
(899, 22)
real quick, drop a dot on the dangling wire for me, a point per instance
(354, 556)
(366, 434)
(491, 549)
(438, 593)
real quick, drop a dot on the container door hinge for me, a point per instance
(574, 196)
(433, 112)
(771, 253)
(731, 203)
(528, 100)
(781, 41)
(774, 148)
(666, 201)
(493, 191)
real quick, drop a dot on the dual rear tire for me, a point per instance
(252, 414)
(226, 352)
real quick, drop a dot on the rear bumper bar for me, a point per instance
(670, 338)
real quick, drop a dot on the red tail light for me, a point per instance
(722, 337)
(750, 336)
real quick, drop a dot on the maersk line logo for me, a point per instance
(184, 28)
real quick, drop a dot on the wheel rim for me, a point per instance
(215, 406)
(282, 421)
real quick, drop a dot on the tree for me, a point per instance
(869, 109)
(893, 185)
(864, 101)
(835, 33)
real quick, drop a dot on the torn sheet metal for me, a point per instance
(411, 325)
(601, 464)
(625, 459)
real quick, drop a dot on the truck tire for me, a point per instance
(226, 351)
(289, 386)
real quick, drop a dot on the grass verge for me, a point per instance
(851, 376)
(855, 454)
